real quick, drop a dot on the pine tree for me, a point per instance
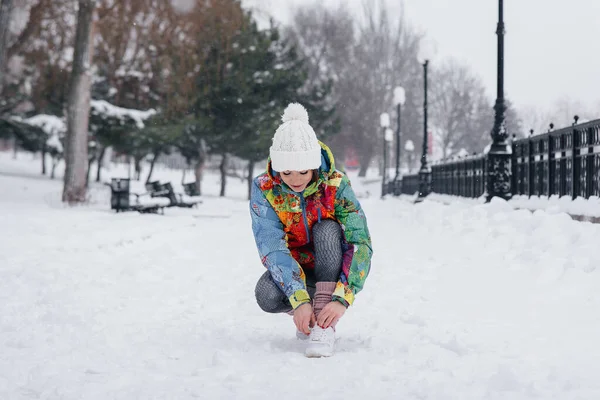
(282, 79)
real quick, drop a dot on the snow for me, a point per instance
(51, 124)
(464, 301)
(104, 107)
(54, 127)
(553, 205)
(463, 153)
(54, 141)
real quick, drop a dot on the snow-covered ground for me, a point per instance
(579, 207)
(464, 301)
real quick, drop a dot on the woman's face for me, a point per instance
(297, 180)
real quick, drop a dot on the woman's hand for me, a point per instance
(304, 318)
(330, 314)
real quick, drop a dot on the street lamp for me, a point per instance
(499, 168)
(424, 55)
(409, 146)
(389, 137)
(384, 122)
(399, 100)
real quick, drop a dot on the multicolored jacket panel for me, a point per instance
(282, 222)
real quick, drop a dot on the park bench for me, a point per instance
(157, 189)
(120, 198)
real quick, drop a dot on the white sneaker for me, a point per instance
(301, 335)
(321, 342)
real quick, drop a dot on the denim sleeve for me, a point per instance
(357, 258)
(272, 248)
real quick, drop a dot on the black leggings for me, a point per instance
(327, 240)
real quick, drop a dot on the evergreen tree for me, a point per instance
(265, 73)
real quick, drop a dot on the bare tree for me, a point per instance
(536, 119)
(564, 111)
(457, 100)
(385, 57)
(76, 157)
(326, 39)
(367, 55)
(5, 12)
(36, 16)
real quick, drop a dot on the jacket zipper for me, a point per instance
(303, 204)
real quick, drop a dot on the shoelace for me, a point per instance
(318, 334)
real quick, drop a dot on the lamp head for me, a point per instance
(384, 120)
(426, 51)
(399, 96)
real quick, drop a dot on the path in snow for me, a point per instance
(463, 302)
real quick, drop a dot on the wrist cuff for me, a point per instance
(298, 298)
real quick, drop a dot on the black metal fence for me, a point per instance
(563, 162)
(463, 177)
(410, 184)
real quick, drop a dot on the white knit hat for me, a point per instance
(295, 145)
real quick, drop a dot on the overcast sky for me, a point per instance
(552, 46)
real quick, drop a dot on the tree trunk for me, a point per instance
(100, 163)
(54, 164)
(198, 172)
(5, 12)
(154, 158)
(78, 107)
(137, 161)
(250, 177)
(365, 160)
(43, 160)
(89, 169)
(223, 169)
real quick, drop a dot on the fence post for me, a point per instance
(551, 166)
(513, 165)
(575, 163)
(589, 163)
(530, 168)
(562, 175)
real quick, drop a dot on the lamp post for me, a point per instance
(384, 122)
(399, 100)
(409, 146)
(425, 170)
(499, 156)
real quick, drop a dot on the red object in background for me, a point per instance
(352, 162)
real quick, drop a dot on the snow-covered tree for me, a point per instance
(52, 142)
(115, 126)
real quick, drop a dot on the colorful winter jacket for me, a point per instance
(282, 222)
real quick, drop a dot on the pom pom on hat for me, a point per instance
(295, 144)
(295, 112)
